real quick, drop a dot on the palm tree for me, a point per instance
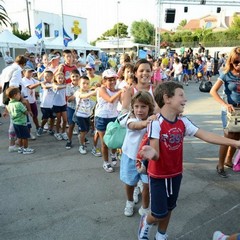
(4, 19)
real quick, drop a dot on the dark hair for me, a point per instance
(66, 51)
(143, 97)
(126, 66)
(75, 71)
(138, 63)
(167, 88)
(84, 77)
(11, 91)
(49, 72)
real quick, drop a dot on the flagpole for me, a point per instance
(62, 20)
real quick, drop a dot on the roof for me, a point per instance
(192, 25)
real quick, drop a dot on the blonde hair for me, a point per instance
(56, 75)
(235, 53)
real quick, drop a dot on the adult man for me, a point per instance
(91, 58)
(8, 59)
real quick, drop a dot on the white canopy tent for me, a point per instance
(80, 44)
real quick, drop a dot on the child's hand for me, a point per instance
(147, 152)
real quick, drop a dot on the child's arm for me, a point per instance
(103, 93)
(32, 86)
(89, 94)
(141, 124)
(58, 87)
(150, 152)
(216, 139)
(44, 86)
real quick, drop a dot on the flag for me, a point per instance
(66, 38)
(38, 30)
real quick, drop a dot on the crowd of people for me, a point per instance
(73, 99)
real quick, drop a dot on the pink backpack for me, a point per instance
(236, 162)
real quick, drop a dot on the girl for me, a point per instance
(59, 105)
(142, 107)
(177, 70)
(157, 78)
(106, 111)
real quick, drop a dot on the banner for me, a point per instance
(38, 30)
(66, 38)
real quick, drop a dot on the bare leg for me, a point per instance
(145, 196)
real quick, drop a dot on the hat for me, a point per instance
(52, 57)
(90, 66)
(109, 73)
(28, 68)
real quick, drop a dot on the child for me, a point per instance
(68, 65)
(59, 105)
(71, 103)
(220, 236)
(156, 72)
(209, 68)
(83, 110)
(165, 155)
(143, 106)
(106, 111)
(47, 103)
(18, 113)
(28, 91)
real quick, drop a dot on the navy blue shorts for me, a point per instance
(70, 113)
(163, 195)
(83, 124)
(58, 109)
(21, 131)
(47, 113)
(34, 109)
(101, 123)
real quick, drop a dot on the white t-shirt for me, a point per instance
(177, 69)
(59, 98)
(132, 140)
(47, 97)
(27, 93)
(83, 106)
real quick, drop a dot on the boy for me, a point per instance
(71, 104)
(68, 65)
(18, 113)
(47, 103)
(165, 155)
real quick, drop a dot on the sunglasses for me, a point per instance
(236, 62)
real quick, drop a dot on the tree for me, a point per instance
(143, 32)
(182, 24)
(23, 35)
(236, 22)
(118, 30)
(4, 19)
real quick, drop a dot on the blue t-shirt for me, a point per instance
(231, 87)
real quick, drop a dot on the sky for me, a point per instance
(104, 14)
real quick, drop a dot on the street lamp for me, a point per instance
(118, 2)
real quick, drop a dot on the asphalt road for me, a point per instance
(58, 194)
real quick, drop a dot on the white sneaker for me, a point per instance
(82, 149)
(114, 159)
(28, 151)
(144, 229)
(12, 148)
(135, 194)
(143, 211)
(107, 167)
(96, 152)
(32, 136)
(75, 132)
(219, 236)
(58, 136)
(64, 136)
(128, 210)
(160, 236)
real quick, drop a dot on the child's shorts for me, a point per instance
(83, 124)
(47, 113)
(128, 172)
(101, 123)
(21, 131)
(163, 195)
(70, 113)
(58, 109)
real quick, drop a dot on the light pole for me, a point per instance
(118, 2)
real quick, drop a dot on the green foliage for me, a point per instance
(182, 24)
(236, 22)
(143, 32)
(4, 19)
(119, 29)
(23, 35)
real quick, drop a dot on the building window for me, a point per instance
(15, 27)
(208, 25)
(47, 29)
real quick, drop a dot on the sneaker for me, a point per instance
(28, 150)
(75, 132)
(128, 210)
(39, 132)
(50, 132)
(13, 148)
(58, 136)
(114, 159)
(160, 236)
(144, 229)
(32, 136)
(219, 236)
(135, 194)
(221, 172)
(143, 211)
(86, 141)
(45, 126)
(64, 136)
(82, 149)
(107, 167)
(20, 150)
(69, 144)
(96, 152)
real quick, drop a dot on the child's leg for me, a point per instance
(58, 115)
(145, 196)
(70, 131)
(95, 139)
(64, 121)
(129, 191)
(44, 121)
(82, 136)
(51, 123)
(25, 142)
(104, 147)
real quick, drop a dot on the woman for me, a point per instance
(230, 78)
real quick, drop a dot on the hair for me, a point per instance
(49, 72)
(74, 51)
(138, 63)
(126, 66)
(235, 53)
(143, 97)
(125, 57)
(75, 71)
(66, 51)
(11, 91)
(177, 60)
(21, 60)
(84, 77)
(57, 74)
(57, 53)
(167, 88)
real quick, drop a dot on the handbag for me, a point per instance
(116, 131)
(236, 162)
(233, 121)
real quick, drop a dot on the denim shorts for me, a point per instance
(101, 123)
(163, 195)
(128, 172)
(83, 124)
(224, 118)
(70, 113)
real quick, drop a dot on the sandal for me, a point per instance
(229, 165)
(221, 172)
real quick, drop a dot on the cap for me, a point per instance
(52, 57)
(90, 66)
(109, 73)
(28, 68)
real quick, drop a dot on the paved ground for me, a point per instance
(60, 194)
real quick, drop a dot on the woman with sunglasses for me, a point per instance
(230, 79)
